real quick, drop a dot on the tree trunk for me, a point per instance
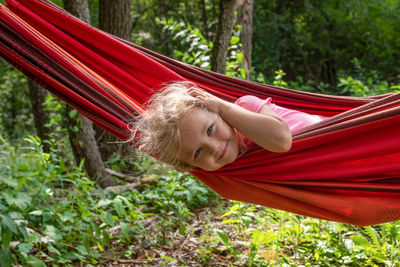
(115, 18)
(41, 116)
(205, 19)
(84, 147)
(80, 129)
(223, 35)
(244, 10)
(78, 8)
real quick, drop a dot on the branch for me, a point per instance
(120, 175)
(116, 189)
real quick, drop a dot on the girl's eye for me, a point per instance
(209, 130)
(197, 153)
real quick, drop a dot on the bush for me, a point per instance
(52, 214)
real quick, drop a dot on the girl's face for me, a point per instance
(207, 141)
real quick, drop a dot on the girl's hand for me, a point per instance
(264, 128)
(210, 101)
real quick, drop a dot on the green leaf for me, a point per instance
(52, 232)
(374, 235)
(82, 250)
(239, 57)
(5, 257)
(109, 218)
(316, 255)
(230, 221)
(246, 220)
(100, 247)
(125, 228)
(223, 237)
(24, 248)
(46, 156)
(118, 206)
(67, 216)
(127, 203)
(19, 199)
(53, 250)
(8, 224)
(74, 129)
(33, 261)
(104, 203)
(259, 237)
(106, 237)
(72, 113)
(235, 40)
(6, 236)
(360, 240)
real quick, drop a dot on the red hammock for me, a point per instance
(346, 168)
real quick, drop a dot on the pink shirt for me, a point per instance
(295, 119)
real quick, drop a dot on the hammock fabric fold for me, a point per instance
(346, 168)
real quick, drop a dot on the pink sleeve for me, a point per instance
(252, 103)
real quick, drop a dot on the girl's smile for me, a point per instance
(207, 141)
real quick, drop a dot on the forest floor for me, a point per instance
(196, 247)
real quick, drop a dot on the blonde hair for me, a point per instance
(158, 127)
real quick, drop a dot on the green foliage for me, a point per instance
(54, 214)
(257, 236)
(365, 83)
(278, 79)
(148, 32)
(317, 40)
(195, 49)
(15, 107)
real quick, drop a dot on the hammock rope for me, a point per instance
(346, 168)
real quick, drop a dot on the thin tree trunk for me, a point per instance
(80, 128)
(115, 18)
(223, 35)
(245, 19)
(78, 8)
(41, 116)
(84, 146)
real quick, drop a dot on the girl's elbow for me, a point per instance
(280, 141)
(285, 142)
(281, 144)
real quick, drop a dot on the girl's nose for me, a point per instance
(213, 147)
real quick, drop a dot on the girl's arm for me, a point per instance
(265, 128)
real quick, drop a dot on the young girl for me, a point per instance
(189, 128)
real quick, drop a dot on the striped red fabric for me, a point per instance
(346, 168)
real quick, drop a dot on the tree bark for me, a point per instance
(245, 19)
(84, 146)
(80, 128)
(78, 8)
(224, 31)
(41, 116)
(115, 18)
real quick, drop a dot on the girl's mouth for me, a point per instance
(224, 151)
